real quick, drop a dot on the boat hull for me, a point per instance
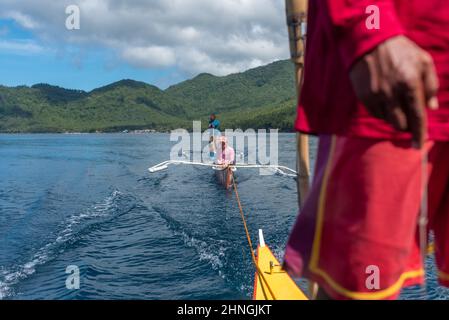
(225, 177)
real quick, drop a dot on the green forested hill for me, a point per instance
(258, 98)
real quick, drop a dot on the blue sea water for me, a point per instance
(88, 200)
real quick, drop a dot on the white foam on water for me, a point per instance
(10, 278)
(211, 254)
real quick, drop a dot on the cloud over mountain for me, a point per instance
(218, 37)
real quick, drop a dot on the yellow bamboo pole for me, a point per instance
(296, 12)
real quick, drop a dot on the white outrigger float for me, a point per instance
(224, 173)
(278, 169)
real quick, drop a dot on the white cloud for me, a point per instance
(215, 36)
(21, 47)
(22, 19)
(148, 57)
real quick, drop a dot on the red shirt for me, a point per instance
(337, 36)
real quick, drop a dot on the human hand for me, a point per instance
(395, 82)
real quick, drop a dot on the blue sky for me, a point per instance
(159, 42)
(98, 67)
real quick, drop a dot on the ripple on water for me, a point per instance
(73, 228)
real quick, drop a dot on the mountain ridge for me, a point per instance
(262, 97)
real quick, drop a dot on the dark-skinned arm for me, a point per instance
(393, 77)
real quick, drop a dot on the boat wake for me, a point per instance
(213, 252)
(70, 233)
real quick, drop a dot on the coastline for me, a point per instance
(146, 131)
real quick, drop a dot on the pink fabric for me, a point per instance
(226, 156)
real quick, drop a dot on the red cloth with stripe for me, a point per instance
(362, 211)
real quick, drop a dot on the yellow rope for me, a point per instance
(423, 215)
(248, 237)
(431, 248)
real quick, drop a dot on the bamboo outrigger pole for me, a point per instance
(296, 11)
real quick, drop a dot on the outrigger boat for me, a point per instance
(277, 169)
(225, 175)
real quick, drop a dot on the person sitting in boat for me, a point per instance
(214, 123)
(226, 154)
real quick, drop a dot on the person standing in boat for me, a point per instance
(214, 123)
(378, 96)
(214, 131)
(226, 154)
